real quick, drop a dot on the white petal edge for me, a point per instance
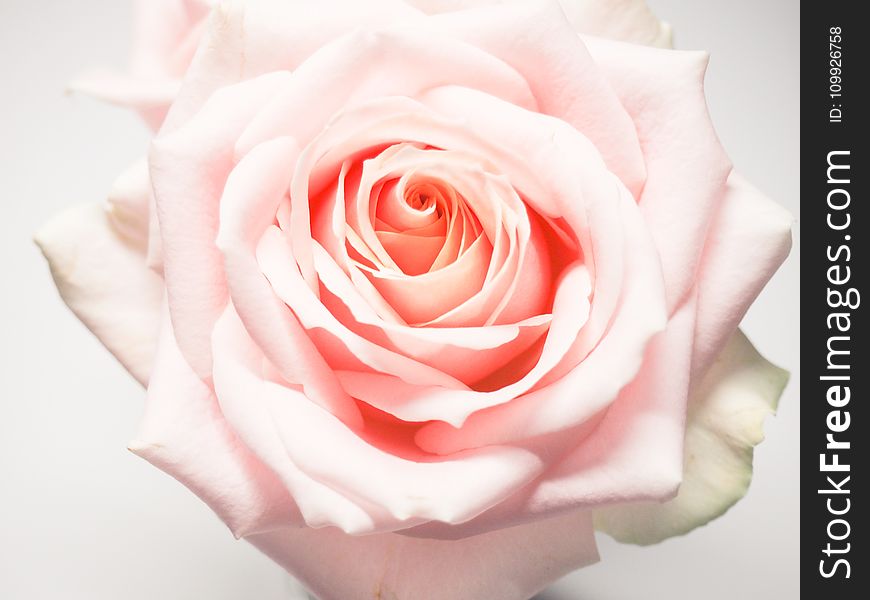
(725, 423)
(102, 276)
(621, 20)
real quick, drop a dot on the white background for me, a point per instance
(82, 518)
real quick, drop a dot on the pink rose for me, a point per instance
(436, 294)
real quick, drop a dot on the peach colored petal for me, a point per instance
(452, 408)
(184, 433)
(423, 298)
(467, 353)
(378, 63)
(278, 265)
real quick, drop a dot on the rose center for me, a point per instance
(422, 196)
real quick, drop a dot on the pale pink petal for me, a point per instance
(165, 37)
(414, 254)
(278, 264)
(616, 245)
(509, 564)
(189, 168)
(287, 33)
(466, 353)
(350, 70)
(749, 239)
(150, 97)
(184, 433)
(239, 385)
(663, 91)
(421, 403)
(555, 184)
(425, 297)
(621, 20)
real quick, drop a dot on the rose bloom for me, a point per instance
(423, 293)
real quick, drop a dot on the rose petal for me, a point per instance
(150, 97)
(189, 168)
(324, 449)
(558, 183)
(622, 20)
(466, 353)
(536, 40)
(748, 240)
(250, 199)
(632, 451)
(452, 408)
(663, 91)
(184, 434)
(509, 564)
(616, 244)
(278, 264)
(425, 297)
(238, 385)
(351, 70)
(725, 419)
(377, 63)
(287, 33)
(97, 258)
(165, 36)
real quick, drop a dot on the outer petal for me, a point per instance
(623, 20)
(184, 434)
(726, 414)
(166, 34)
(508, 564)
(97, 258)
(150, 98)
(749, 239)
(663, 91)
